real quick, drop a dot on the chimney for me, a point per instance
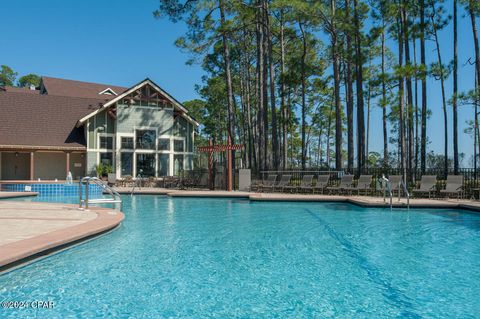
(32, 87)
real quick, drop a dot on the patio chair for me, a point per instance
(454, 186)
(306, 182)
(112, 179)
(203, 180)
(322, 183)
(284, 181)
(269, 182)
(345, 182)
(428, 185)
(128, 181)
(364, 182)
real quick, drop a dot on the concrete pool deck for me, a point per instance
(28, 229)
(365, 201)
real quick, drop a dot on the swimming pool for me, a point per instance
(222, 258)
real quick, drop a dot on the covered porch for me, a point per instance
(41, 164)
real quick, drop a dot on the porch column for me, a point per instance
(68, 162)
(32, 166)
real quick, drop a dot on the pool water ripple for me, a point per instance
(220, 258)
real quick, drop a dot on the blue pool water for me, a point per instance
(219, 258)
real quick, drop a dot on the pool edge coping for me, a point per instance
(28, 250)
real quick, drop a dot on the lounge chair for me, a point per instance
(428, 185)
(112, 179)
(454, 186)
(345, 182)
(322, 183)
(269, 182)
(305, 183)
(282, 183)
(363, 183)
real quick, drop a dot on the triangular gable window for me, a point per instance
(147, 95)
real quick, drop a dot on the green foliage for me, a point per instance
(293, 25)
(103, 169)
(7, 76)
(29, 79)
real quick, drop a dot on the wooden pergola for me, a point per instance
(210, 149)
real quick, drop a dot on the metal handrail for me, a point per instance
(138, 180)
(405, 190)
(388, 186)
(116, 198)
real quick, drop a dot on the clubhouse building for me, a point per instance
(71, 126)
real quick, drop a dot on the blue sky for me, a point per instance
(119, 42)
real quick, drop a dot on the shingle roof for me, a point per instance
(62, 87)
(19, 89)
(43, 120)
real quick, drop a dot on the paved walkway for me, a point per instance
(28, 228)
(366, 201)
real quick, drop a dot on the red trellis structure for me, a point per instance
(220, 148)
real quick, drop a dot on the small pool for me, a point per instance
(52, 189)
(221, 258)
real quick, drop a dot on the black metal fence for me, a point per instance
(471, 182)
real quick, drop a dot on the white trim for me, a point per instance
(108, 89)
(112, 135)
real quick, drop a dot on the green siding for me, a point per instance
(110, 124)
(129, 118)
(91, 133)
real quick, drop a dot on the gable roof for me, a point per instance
(176, 104)
(43, 121)
(62, 87)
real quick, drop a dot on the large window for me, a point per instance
(163, 144)
(106, 142)
(163, 164)
(177, 164)
(178, 145)
(146, 165)
(126, 160)
(146, 139)
(127, 143)
(106, 158)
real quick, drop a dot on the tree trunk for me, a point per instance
(455, 89)
(475, 39)
(275, 144)
(384, 103)
(228, 75)
(477, 66)
(349, 93)
(409, 107)
(444, 100)
(336, 80)
(401, 127)
(359, 86)
(417, 140)
(423, 149)
(282, 92)
(266, 154)
(260, 92)
(304, 105)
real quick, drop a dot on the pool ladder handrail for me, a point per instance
(403, 186)
(116, 198)
(387, 187)
(137, 182)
